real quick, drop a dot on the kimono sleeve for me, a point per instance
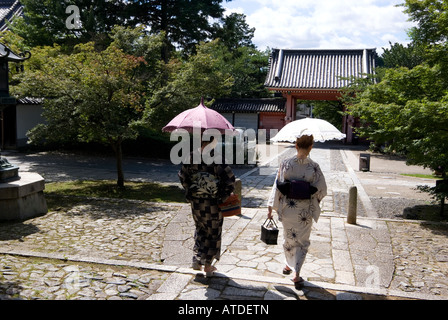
(184, 178)
(274, 198)
(319, 182)
(226, 181)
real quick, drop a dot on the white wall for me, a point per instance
(246, 120)
(28, 116)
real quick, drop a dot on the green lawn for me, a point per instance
(146, 191)
(425, 176)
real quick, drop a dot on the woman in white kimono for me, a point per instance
(297, 215)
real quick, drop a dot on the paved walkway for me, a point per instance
(123, 249)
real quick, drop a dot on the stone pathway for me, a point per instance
(134, 250)
(247, 271)
(420, 257)
(48, 279)
(51, 279)
(112, 229)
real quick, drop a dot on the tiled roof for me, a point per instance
(316, 68)
(30, 101)
(249, 105)
(8, 10)
(10, 55)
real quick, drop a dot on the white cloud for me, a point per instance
(325, 23)
(233, 10)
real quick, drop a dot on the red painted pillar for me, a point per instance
(290, 108)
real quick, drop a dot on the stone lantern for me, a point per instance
(7, 56)
(8, 172)
(21, 195)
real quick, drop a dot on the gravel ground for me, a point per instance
(420, 257)
(404, 208)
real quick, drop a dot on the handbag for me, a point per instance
(269, 232)
(231, 207)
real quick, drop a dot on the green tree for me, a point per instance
(408, 109)
(185, 23)
(204, 74)
(234, 32)
(431, 19)
(89, 96)
(138, 42)
(331, 111)
(44, 22)
(246, 64)
(405, 111)
(249, 68)
(400, 56)
(431, 31)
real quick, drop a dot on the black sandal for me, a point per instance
(196, 266)
(298, 284)
(286, 270)
(211, 272)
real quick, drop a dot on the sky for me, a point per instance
(324, 24)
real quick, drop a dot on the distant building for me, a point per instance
(8, 11)
(254, 114)
(317, 74)
(18, 119)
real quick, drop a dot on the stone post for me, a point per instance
(238, 189)
(352, 205)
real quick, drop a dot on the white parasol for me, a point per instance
(321, 130)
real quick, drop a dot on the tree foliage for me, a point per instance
(331, 111)
(202, 75)
(131, 64)
(408, 109)
(213, 72)
(400, 56)
(44, 21)
(89, 96)
(249, 68)
(431, 19)
(234, 32)
(184, 23)
(406, 112)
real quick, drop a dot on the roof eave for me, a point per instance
(9, 55)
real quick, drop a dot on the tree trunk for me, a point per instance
(116, 145)
(164, 27)
(444, 192)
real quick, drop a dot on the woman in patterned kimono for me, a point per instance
(297, 215)
(207, 186)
